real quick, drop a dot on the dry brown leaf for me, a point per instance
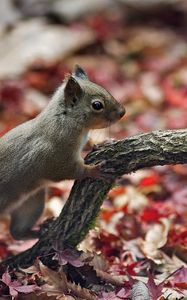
(79, 292)
(58, 286)
(171, 264)
(35, 39)
(56, 283)
(114, 280)
(87, 245)
(156, 238)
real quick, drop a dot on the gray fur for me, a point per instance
(47, 149)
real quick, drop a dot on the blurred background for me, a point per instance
(135, 49)
(138, 51)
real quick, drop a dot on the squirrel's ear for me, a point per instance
(72, 90)
(80, 73)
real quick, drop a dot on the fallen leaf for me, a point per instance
(155, 238)
(155, 291)
(35, 39)
(70, 256)
(140, 291)
(16, 287)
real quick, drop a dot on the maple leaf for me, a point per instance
(70, 256)
(57, 285)
(151, 214)
(107, 277)
(155, 291)
(16, 287)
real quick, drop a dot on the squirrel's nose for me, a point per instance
(122, 111)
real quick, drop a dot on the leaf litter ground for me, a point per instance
(138, 249)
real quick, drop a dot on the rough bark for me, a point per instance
(86, 197)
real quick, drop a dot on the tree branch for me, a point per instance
(86, 197)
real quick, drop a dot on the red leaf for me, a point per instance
(149, 180)
(108, 243)
(116, 191)
(6, 278)
(26, 289)
(177, 236)
(106, 215)
(68, 256)
(130, 268)
(16, 287)
(121, 294)
(155, 291)
(108, 296)
(13, 292)
(151, 214)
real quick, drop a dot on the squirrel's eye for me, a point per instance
(97, 105)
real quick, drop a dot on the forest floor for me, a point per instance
(138, 249)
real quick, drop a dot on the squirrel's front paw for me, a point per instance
(96, 171)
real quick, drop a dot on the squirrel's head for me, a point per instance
(89, 102)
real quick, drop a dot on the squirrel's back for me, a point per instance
(48, 148)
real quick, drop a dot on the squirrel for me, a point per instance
(48, 148)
